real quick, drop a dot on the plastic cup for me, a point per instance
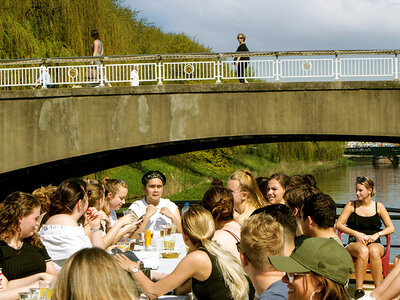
(43, 286)
(169, 243)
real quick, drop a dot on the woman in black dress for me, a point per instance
(241, 62)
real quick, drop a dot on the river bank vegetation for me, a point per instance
(189, 174)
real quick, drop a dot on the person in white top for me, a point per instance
(155, 210)
(62, 235)
(134, 76)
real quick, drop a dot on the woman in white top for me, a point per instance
(155, 210)
(62, 235)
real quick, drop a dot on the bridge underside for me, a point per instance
(50, 135)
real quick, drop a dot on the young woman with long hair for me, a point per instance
(23, 258)
(219, 201)
(93, 274)
(207, 270)
(62, 235)
(246, 194)
(363, 219)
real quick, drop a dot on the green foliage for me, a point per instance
(54, 28)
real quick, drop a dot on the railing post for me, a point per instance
(218, 70)
(100, 71)
(159, 72)
(43, 72)
(277, 68)
(396, 67)
(336, 67)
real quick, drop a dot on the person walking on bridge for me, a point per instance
(241, 61)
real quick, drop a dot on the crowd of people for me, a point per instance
(255, 238)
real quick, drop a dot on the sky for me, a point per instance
(278, 25)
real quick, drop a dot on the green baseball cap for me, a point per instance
(322, 256)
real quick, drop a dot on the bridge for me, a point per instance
(392, 153)
(50, 134)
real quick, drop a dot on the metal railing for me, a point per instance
(217, 67)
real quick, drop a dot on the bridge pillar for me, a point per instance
(395, 161)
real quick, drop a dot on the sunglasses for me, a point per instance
(240, 37)
(361, 179)
(291, 276)
(240, 250)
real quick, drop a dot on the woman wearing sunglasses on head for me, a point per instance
(318, 269)
(241, 61)
(362, 221)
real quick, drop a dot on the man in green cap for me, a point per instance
(315, 269)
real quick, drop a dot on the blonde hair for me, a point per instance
(111, 186)
(368, 183)
(43, 194)
(198, 225)
(93, 274)
(262, 236)
(248, 184)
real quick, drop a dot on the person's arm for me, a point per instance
(95, 48)
(175, 217)
(195, 264)
(131, 228)
(389, 228)
(387, 283)
(29, 280)
(112, 233)
(96, 236)
(150, 211)
(340, 224)
(51, 269)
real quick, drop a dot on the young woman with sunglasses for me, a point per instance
(362, 221)
(241, 61)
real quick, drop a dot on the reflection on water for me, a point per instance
(340, 185)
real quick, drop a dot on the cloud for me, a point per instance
(272, 25)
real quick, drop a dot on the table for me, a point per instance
(165, 265)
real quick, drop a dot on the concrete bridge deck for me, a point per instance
(49, 135)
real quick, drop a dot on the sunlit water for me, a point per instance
(340, 185)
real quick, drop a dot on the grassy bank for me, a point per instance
(189, 175)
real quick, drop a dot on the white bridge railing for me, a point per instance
(298, 66)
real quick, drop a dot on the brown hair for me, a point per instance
(15, 206)
(95, 192)
(241, 34)
(219, 201)
(67, 195)
(44, 195)
(331, 290)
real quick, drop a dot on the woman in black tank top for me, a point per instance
(361, 220)
(210, 272)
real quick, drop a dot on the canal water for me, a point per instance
(340, 185)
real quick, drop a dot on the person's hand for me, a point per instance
(373, 237)
(362, 238)
(151, 210)
(134, 226)
(166, 212)
(127, 219)
(126, 263)
(92, 216)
